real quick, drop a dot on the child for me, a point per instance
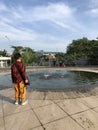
(19, 78)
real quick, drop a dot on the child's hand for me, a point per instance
(26, 81)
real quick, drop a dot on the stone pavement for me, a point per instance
(50, 111)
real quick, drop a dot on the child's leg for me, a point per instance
(22, 91)
(17, 93)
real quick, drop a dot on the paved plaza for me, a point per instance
(50, 110)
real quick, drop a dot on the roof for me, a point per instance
(5, 58)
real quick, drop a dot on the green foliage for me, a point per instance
(3, 53)
(78, 49)
(83, 48)
(29, 57)
(60, 56)
(17, 49)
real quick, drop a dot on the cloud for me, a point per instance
(93, 8)
(2, 7)
(94, 12)
(93, 3)
(15, 33)
(58, 13)
(17, 23)
(59, 47)
(52, 11)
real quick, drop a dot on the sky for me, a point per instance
(48, 25)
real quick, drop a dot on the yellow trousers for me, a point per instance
(20, 91)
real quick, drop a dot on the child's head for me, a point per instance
(17, 56)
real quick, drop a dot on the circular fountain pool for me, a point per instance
(55, 79)
(59, 79)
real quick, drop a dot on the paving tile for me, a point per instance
(7, 92)
(21, 121)
(91, 101)
(56, 101)
(96, 109)
(87, 119)
(49, 113)
(39, 103)
(96, 95)
(54, 95)
(36, 95)
(8, 100)
(1, 107)
(1, 111)
(63, 124)
(95, 91)
(65, 96)
(11, 99)
(79, 94)
(1, 99)
(86, 94)
(2, 124)
(71, 94)
(28, 93)
(83, 95)
(72, 106)
(4, 91)
(10, 108)
(38, 128)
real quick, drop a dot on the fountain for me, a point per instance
(62, 79)
(55, 79)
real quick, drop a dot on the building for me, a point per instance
(4, 61)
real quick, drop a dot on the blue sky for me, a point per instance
(48, 25)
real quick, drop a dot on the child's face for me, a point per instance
(19, 59)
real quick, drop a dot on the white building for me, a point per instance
(4, 61)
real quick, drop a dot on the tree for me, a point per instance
(17, 49)
(60, 56)
(93, 55)
(83, 48)
(3, 53)
(79, 48)
(28, 55)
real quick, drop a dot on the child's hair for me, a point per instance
(17, 56)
